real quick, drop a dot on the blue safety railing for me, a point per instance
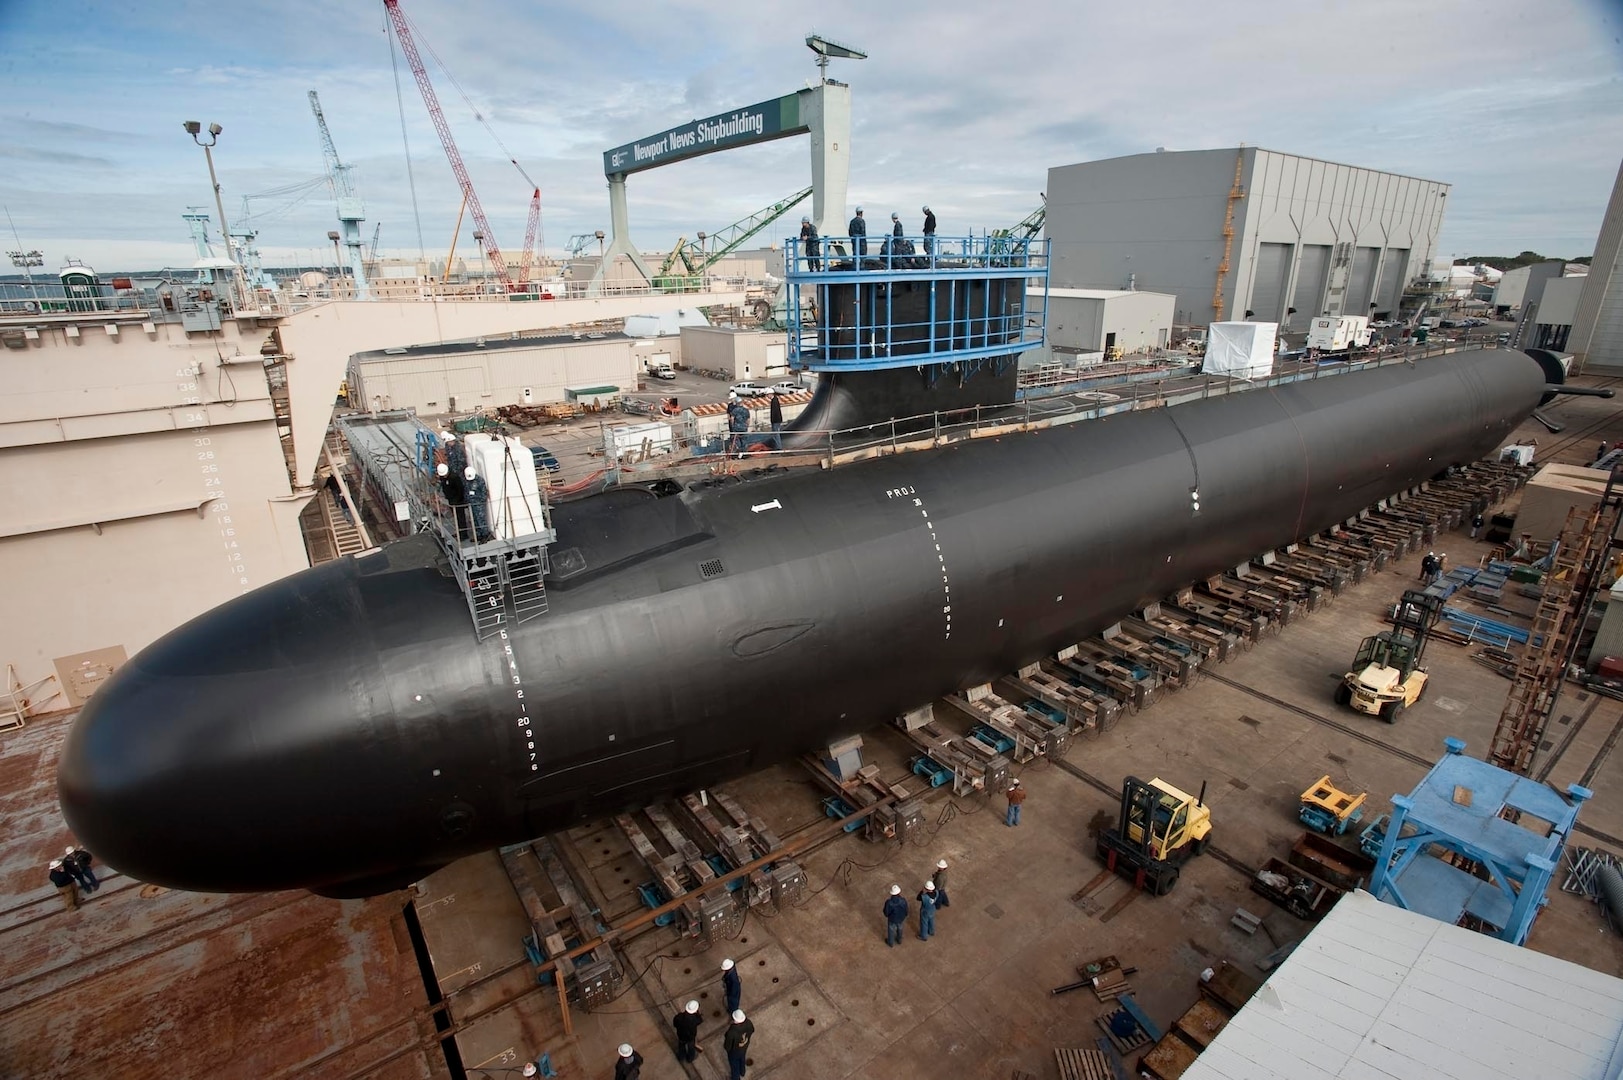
(887, 301)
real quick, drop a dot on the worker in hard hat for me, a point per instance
(62, 878)
(940, 880)
(455, 454)
(1017, 798)
(478, 493)
(732, 987)
(813, 246)
(927, 902)
(895, 910)
(929, 231)
(687, 1024)
(737, 1044)
(858, 229)
(628, 1066)
(77, 862)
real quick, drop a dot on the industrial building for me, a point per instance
(464, 376)
(1243, 233)
(1597, 337)
(742, 354)
(1087, 321)
(1516, 284)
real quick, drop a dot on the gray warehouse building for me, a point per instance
(1243, 230)
(1596, 339)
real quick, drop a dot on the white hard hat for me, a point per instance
(442, 469)
(859, 209)
(804, 220)
(929, 886)
(68, 850)
(1015, 782)
(894, 216)
(56, 864)
(528, 1070)
(941, 864)
(625, 1050)
(450, 436)
(895, 890)
(738, 1016)
(926, 209)
(468, 473)
(732, 395)
(693, 1006)
(727, 965)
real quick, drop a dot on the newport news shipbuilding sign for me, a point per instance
(769, 120)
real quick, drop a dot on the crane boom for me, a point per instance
(402, 33)
(337, 171)
(528, 255)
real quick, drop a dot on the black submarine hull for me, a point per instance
(342, 730)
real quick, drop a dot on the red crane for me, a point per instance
(488, 238)
(528, 253)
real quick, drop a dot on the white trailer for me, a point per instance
(1333, 333)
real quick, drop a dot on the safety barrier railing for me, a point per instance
(979, 256)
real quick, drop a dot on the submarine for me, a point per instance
(343, 730)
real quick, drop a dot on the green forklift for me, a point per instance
(1386, 677)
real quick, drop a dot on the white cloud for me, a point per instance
(1519, 107)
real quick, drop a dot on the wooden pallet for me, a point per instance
(1169, 1059)
(1126, 1045)
(1106, 974)
(1082, 1064)
(1201, 1023)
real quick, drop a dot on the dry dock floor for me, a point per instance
(141, 982)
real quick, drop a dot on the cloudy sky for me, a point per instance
(1517, 103)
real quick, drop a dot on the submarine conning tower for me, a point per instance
(912, 326)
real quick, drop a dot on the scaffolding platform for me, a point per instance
(1481, 847)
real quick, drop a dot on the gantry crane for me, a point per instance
(351, 212)
(487, 236)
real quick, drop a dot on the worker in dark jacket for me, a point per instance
(896, 226)
(1017, 798)
(777, 421)
(895, 915)
(737, 1044)
(927, 899)
(687, 1024)
(456, 496)
(629, 1064)
(478, 493)
(732, 986)
(809, 240)
(859, 235)
(738, 423)
(941, 883)
(77, 862)
(1476, 525)
(929, 231)
(62, 878)
(455, 455)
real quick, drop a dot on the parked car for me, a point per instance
(749, 389)
(544, 460)
(788, 386)
(663, 371)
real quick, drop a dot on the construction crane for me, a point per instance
(351, 212)
(1007, 241)
(528, 254)
(487, 236)
(696, 260)
(375, 230)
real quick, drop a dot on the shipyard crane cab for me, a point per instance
(1386, 676)
(1160, 829)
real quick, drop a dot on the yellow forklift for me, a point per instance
(1386, 675)
(1159, 830)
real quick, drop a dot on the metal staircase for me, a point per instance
(1541, 667)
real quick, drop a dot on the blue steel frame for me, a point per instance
(1518, 861)
(986, 337)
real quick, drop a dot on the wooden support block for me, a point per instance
(1169, 1059)
(1201, 1023)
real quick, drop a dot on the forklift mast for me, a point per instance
(1414, 618)
(1139, 801)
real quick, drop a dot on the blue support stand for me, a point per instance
(1500, 837)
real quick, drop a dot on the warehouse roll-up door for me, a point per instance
(1392, 275)
(1268, 283)
(1360, 282)
(1311, 270)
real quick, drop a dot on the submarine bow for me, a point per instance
(343, 730)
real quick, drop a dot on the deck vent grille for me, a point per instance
(712, 568)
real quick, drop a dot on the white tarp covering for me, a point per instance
(509, 471)
(1242, 349)
(664, 323)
